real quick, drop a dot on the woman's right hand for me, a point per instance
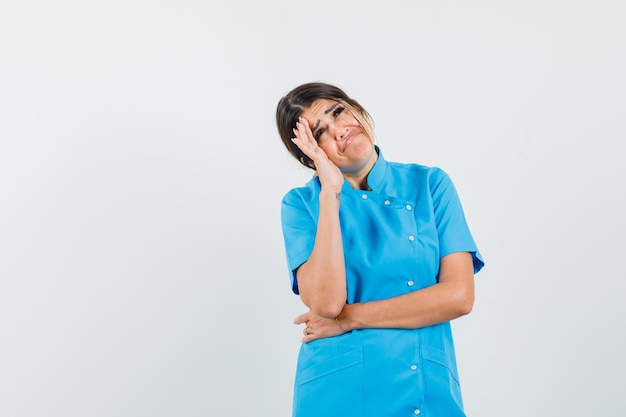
(329, 174)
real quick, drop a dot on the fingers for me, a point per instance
(304, 139)
(317, 327)
(303, 131)
(309, 335)
(302, 318)
(307, 331)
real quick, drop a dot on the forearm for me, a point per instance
(422, 308)
(449, 299)
(322, 279)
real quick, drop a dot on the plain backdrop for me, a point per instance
(142, 268)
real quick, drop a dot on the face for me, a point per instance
(343, 134)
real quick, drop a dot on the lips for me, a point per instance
(348, 141)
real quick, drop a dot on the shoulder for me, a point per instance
(418, 172)
(303, 195)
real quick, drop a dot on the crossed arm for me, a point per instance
(451, 297)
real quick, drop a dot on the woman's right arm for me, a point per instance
(322, 278)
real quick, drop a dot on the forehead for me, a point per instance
(317, 110)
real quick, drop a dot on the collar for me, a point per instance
(377, 173)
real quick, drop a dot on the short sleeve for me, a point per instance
(299, 228)
(452, 229)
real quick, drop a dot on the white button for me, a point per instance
(413, 367)
(387, 202)
(364, 196)
(408, 207)
(410, 283)
(417, 411)
(411, 238)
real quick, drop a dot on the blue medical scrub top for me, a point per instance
(393, 239)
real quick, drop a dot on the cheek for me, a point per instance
(329, 147)
(364, 126)
(363, 148)
(350, 119)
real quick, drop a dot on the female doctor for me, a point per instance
(381, 254)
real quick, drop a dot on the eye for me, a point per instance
(318, 134)
(338, 111)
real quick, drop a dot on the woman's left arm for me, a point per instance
(451, 297)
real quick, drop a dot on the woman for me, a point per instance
(381, 254)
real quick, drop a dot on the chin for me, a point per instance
(362, 150)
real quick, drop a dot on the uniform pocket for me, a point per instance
(440, 357)
(332, 387)
(441, 380)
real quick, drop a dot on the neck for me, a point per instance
(358, 179)
(358, 183)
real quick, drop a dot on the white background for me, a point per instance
(142, 268)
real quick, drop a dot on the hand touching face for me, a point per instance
(343, 134)
(329, 174)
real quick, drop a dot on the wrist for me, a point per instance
(330, 196)
(346, 318)
(340, 325)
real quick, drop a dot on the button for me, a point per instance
(417, 411)
(411, 238)
(364, 196)
(408, 207)
(387, 202)
(413, 367)
(410, 283)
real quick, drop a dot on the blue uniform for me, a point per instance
(393, 237)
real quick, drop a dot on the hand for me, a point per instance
(317, 327)
(329, 174)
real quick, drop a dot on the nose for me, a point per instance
(338, 130)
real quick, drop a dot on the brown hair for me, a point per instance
(297, 101)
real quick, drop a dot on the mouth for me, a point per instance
(349, 140)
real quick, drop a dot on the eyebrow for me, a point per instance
(331, 108)
(328, 110)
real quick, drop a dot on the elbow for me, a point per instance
(465, 307)
(327, 307)
(328, 310)
(464, 303)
